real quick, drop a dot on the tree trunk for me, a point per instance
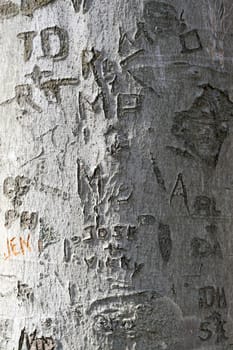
(116, 175)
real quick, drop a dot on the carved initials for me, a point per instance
(31, 342)
(47, 35)
(62, 34)
(28, 38)
(24, 97)
(210, 296)
(128, 104)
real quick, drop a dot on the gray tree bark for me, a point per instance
(116, 175)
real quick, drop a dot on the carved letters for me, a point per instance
(28, 7)
(23, 96)
(78, 3)
(54, 191)
(212, 297)
(146, 220)
(28, 38)
(47, 35)
(52, 88)
(87, 57)
(55, 46)
(179, 190)
(213, 325)
(202, 129)
(28, 220)
(190, 41)
(62, 34)
(115, 253)
(10, 216)
(15, 188)
(24, 292)
(141, 31)
(102, 233)
(8, 9)
(47, 234)
(128, 104)
(207, 247)
(204, 248)
(205, 206)
(97, 64)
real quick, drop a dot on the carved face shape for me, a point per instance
(160, 17)
(204, 127)
(142, 323)
(202, 134)
(207, 139)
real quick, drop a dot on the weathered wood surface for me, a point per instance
(116, 147)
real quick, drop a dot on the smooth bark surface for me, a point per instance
(116, 168)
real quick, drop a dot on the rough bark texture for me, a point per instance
(116, 175)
